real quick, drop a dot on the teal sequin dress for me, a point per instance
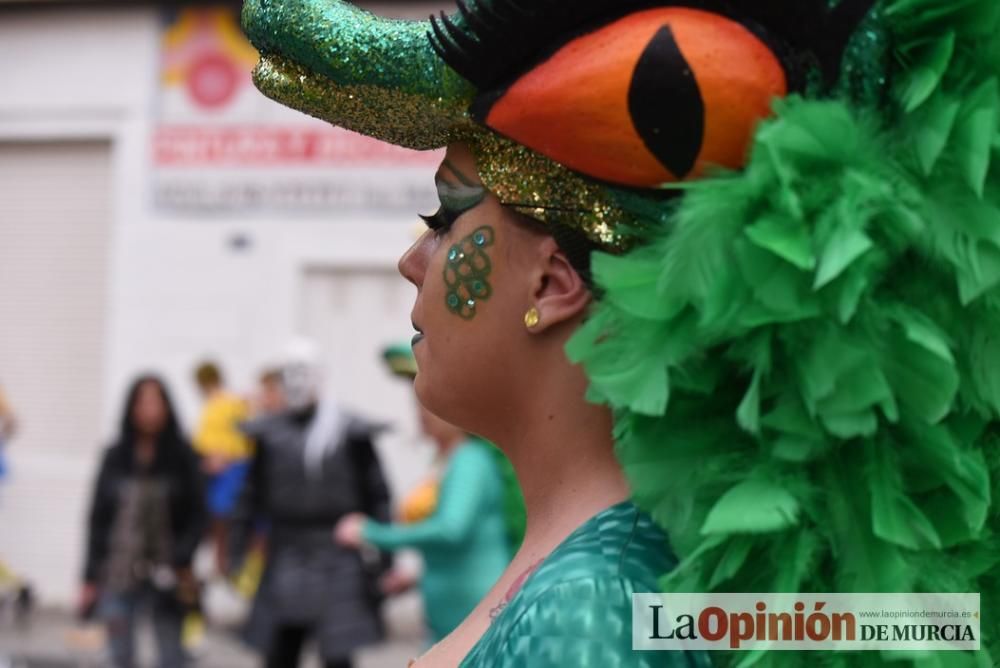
(575, 610)
(464, 542)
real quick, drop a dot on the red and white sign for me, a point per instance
(221, 148)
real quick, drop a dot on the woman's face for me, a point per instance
(474, 283)
(149, 412)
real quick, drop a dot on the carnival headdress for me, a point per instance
(558, 100)
(803, 350)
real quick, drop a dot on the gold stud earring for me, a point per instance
(531, 318)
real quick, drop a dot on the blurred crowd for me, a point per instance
(282, 494)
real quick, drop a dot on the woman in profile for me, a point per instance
(146, 520)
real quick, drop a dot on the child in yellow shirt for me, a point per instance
(225, 453)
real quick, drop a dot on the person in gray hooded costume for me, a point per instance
(313, 464)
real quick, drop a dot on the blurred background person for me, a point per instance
(270, 396)
(12, 587)
(8, 425)
(225, 454)
(313, 465)
(464, 524)
(146, 520)
(268, 399)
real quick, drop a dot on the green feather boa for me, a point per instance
(804, 357)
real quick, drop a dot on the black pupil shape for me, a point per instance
(666, 104)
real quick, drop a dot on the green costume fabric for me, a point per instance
(465, 542)
(575, 610)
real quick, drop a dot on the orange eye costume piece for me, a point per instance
(658, 96)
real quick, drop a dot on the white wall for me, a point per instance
(177, 289)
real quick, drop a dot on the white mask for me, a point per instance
(301, 374)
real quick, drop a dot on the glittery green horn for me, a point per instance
(380, 77)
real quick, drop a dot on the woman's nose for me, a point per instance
(413, 264)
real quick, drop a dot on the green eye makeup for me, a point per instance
(456, 198)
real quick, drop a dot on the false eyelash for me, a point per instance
(440, 221)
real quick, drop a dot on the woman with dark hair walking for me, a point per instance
(146, 519)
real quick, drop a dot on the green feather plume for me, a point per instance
(804, 357)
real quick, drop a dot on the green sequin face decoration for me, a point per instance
(466, 273)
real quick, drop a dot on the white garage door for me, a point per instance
(54, 248)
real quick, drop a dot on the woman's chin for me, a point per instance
(434, 396)
(420, 386)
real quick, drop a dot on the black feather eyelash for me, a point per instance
(440, 221)
(490, 42)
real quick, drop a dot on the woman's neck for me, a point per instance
(145, 450)
(563, 454)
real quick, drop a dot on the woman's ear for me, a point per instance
(560, 294)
